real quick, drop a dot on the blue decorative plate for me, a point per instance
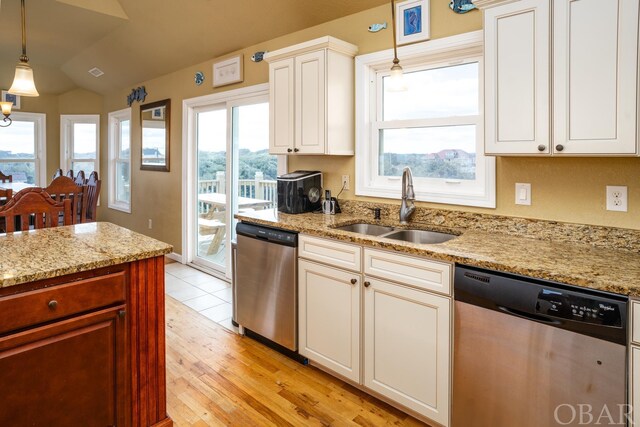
(199, 77)
(461, 6)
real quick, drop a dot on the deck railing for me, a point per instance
(257, 188)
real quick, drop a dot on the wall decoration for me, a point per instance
(227, 72)
(461, 6)
(198, 77)
(258, 56)
(412, 21)
(374, 28)
(137, 94)
(14, 99)
(154, 121)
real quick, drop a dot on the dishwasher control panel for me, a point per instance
(566, 305)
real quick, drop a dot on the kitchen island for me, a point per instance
(82, 327)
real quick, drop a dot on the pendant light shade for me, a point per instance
(23, 83)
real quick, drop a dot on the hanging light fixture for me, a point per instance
(396, 81)
(6, 110)
(23, 83)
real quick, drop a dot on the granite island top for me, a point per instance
(52, 252)
(579, 264)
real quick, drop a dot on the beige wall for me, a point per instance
(569, 190)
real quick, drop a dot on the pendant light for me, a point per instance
(23, 83)
(396, 81)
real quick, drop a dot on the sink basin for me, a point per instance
(368, 229)
(420, 236)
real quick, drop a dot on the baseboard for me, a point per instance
(176, 257)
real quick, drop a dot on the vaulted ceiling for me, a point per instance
(136, 40)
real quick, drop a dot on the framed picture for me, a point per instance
(227, 72)
(412, 21)
(157, 114)
(8, 97)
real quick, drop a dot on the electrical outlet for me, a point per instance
(150, 224)
(617, 198)
(345, 182)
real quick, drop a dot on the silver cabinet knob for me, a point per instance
(559, 147)
(542, 147)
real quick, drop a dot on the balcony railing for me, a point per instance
(257, 188)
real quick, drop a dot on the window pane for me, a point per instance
(22, 172)
(125, 143)
(18, 141)
(434, 152)
(87, 167)
(84, 141)
(122, 182)
(438, 92)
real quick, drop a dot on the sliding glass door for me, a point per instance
(234, 172)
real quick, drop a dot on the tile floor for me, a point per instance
(202, 292)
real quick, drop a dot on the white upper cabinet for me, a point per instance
(592, 77)
(311, 98)
(517, 78)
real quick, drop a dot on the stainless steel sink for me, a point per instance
(419, 236)
(368, 229)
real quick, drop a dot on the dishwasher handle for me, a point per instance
(529, 316)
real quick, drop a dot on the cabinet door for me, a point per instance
(329, 318)
(634, 380)
(68, 373)
(310, 99)
(517, 78)
(595, 72)
(407, 347)
(281, 106)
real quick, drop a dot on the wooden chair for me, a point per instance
(63, 188)
(70, 173)
(5, 196)
(37, 204)
(5, 178)
(56, 174)
(80, 179)
(93, 195)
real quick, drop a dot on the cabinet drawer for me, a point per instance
(331, 252)
(635, 321)
(43, 305)
(408, 270)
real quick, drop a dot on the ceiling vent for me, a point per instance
(96, 72)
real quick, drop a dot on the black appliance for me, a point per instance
(299, 192)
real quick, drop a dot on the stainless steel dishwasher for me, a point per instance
(266, 283)
(531, 353)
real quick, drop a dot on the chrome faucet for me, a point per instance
(408, 196)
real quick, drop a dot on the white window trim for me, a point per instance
(445, 50)
(66, 120)
(40, 137)
(115, 117)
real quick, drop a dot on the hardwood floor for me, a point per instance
(215, 377)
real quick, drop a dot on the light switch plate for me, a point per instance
(523, 194)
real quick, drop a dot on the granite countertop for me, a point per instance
(53, 252)
(580, 264)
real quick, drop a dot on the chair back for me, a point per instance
(57, 174)
(63, 188)
(70, 173)
(5, 195)
(93, 195)
(37, 204)
(6, 178)
(80, 180)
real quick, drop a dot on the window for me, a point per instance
(22, 148)
(120, 160)
(80, 143)
(435, 127)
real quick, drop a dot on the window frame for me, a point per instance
(40, 140)
(370, 69)
(114, 141)
(66, 134)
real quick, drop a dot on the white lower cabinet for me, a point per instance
(329, 317)
(407, 346)
(399, 330)
(634, 385)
